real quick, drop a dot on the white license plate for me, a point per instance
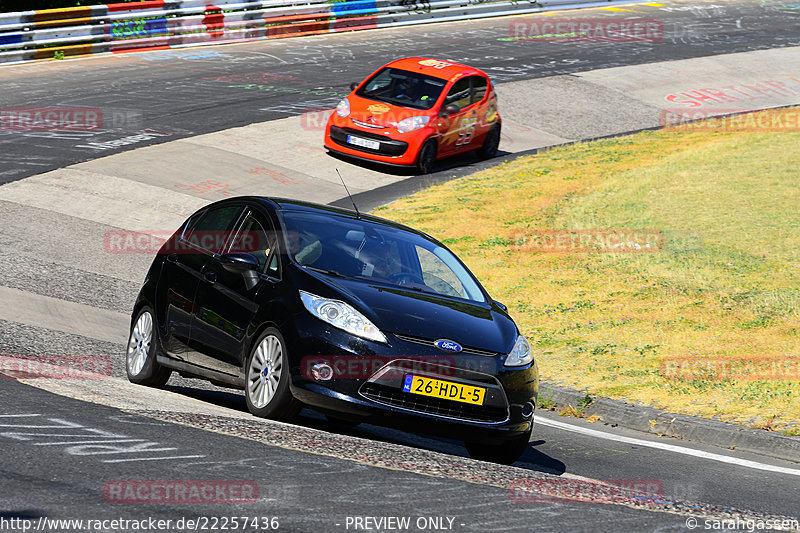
(366, 143)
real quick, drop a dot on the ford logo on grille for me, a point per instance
(447, 345)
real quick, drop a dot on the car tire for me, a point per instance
(427, 157)
(267, 378)
(140, 360)
(491, 143)
(505, 453)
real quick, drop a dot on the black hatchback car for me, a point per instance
(354, 316)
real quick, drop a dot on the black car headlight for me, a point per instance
(341, 315)
(520, 354)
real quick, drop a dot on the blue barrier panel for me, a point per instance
(355, 7)
(10, 38)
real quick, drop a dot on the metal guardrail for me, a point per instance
(160, 24)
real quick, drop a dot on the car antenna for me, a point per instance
(358, 215)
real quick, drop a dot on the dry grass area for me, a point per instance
(721, 293)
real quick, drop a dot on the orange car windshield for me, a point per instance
(403, 88)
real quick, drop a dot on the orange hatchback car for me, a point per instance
(414, 111)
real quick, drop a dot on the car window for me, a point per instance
(376, 253)
(401, 87)
(255, 236)
(479, 86)
(438, 275)
(459, 94)
(211, 230)
(379, 83)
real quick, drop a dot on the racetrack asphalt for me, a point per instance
(64, 290)
(183, 93)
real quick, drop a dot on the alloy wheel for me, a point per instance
(264, 373)
(139, 343)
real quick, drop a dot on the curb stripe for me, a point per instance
(668, 447)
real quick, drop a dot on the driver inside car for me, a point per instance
(378, 262)
(304, 249)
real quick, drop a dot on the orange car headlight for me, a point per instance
(343, 109)
(412, 123)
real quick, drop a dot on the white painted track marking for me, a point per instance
(667, 447)
(152, 458)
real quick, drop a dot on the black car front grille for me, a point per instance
(432, 406)
(429, 342)
(386, 387)
(387, 146)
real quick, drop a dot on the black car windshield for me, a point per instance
(365, 250)
(401, 87)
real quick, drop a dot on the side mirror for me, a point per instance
(501, 306)
(239, 263)
(244, 264)
(353, 86)
(449, 109)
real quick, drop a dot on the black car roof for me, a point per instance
(290, 204)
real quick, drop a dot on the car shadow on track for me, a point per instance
(469, 161)
(532, 459)
(447, 170)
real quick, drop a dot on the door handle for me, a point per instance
(172, 258)
(211, 277)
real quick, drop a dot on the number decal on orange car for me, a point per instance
(466, 131)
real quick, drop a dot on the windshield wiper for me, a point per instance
(328, 272)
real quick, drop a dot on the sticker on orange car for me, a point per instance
(435, 63)
(378, 108)
(491, 112)
(466, 131)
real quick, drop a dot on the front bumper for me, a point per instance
(386, 145)
(367, 386)
(394, 148)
